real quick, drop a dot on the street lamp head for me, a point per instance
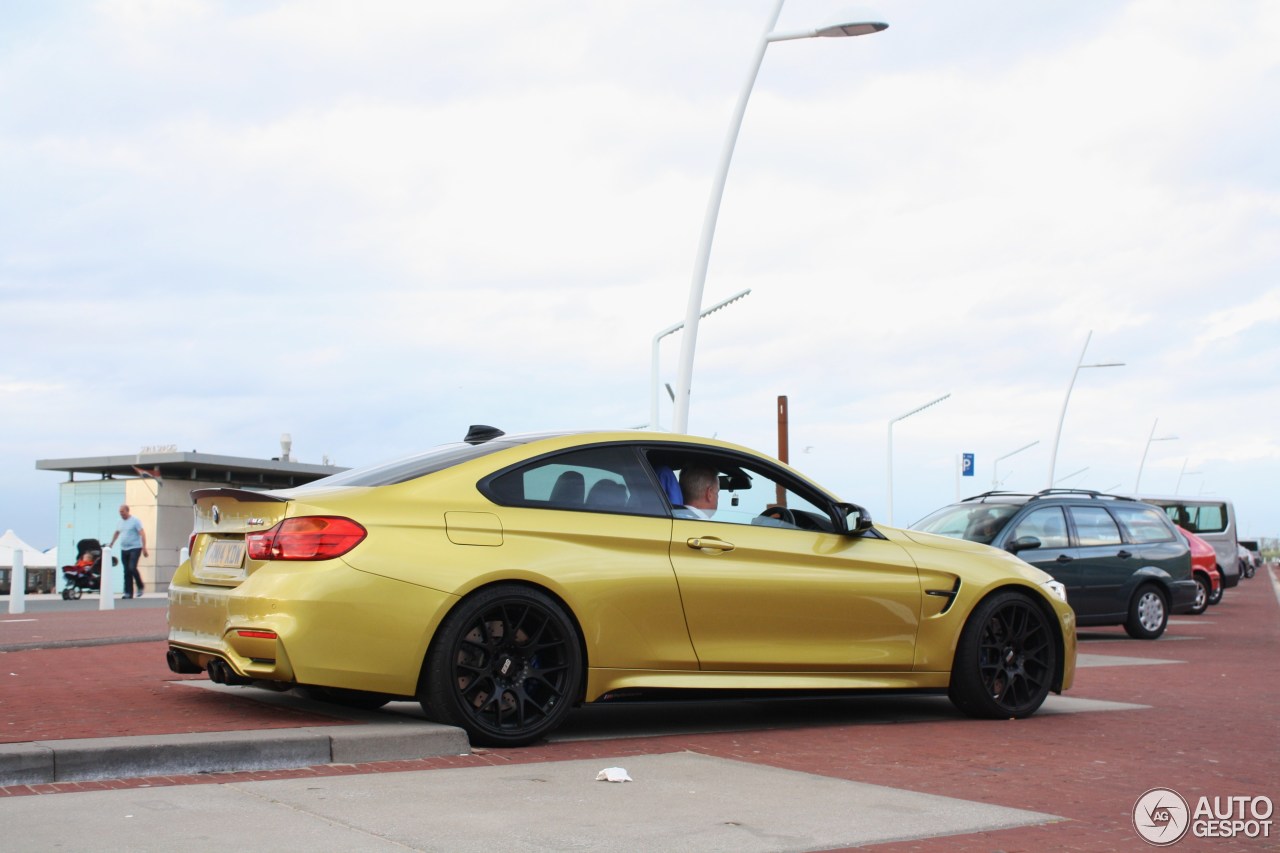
(856, 29)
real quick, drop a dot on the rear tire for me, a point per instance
(1148, 613)
(505, 666)
(1202, 595)
(1006, 659)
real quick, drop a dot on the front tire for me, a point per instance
(1006, 659)
(505, 666)
(1148, 613)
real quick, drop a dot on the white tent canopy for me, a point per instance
(32, 557)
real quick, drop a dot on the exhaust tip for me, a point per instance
(221, 672)
(180, 663)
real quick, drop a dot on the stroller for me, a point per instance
(87, 571)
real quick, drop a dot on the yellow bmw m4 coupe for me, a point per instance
(504, 579)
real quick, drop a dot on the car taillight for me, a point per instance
(313, 537)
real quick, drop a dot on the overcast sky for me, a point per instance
(372, 224)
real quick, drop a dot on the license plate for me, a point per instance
(224, 554)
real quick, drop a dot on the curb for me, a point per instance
(92, 759)
(80, 642)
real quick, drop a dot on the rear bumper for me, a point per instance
(322, 624)
(1182, 596)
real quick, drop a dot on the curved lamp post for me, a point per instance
(1080, 365)
(995, 479)
(1184, 473)
(671, 330)
(690, 338)
(891, 423)
(1137, 484)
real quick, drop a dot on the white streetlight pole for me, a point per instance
(670, 330)
(1137, 484)
(995, 479)
(1184, 473)
(891, 423)
(1080, 365)
(703, 258)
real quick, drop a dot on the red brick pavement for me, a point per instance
(1212, 729)
(115, 689)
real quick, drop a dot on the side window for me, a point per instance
(604, 479)
(1047, 524)
(743, 494)
(1094, 525)
(1211, 518)
(1143, 525)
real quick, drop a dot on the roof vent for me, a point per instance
(480, 433)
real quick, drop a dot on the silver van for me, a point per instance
(1214, 521)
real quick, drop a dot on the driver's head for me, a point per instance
(701, 487)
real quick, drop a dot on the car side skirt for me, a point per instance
(602, 681)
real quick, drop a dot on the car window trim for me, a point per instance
(483, 485)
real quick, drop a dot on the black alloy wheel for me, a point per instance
(505, 666)
(1006, 659)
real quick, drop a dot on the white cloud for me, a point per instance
(224, 222)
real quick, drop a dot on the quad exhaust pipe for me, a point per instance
(220, 672)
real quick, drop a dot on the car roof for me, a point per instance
(997, 497)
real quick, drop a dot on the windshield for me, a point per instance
(975, 522)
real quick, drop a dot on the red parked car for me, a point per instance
(1204, 568)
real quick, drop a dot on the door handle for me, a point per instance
(1124, 555)
(710, 544)
(1064, 558)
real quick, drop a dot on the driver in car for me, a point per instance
(701, 489)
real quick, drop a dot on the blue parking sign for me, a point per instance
(966, 465)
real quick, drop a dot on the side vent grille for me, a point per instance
(948, 594)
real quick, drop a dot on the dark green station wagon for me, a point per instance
(1122, 561)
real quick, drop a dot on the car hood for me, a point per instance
(964, 546)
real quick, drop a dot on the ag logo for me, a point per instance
(1161, 817)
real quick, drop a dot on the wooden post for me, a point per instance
(783, 441)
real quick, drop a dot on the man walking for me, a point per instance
(133, 544)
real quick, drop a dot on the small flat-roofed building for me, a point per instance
(157, 487)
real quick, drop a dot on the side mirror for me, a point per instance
(1022, 543)
(856, 519)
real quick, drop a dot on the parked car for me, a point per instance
(1204, 569)
(1255, 560)
(504, 579)
(1213, 520)
(1122, 562)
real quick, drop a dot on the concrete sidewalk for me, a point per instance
(675, 801)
